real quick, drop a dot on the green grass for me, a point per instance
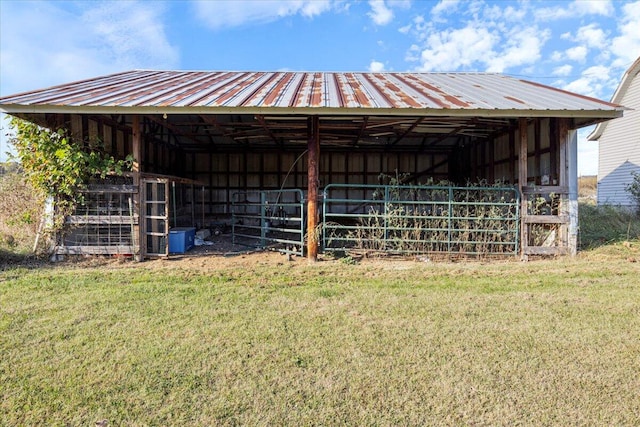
(601, 225)
(273, 343)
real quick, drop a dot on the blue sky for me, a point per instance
(583, 46)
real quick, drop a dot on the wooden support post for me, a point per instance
(563, 133)
(522, 183)
(136, 152)
(313, 128)
(568, 177)
(563, 128)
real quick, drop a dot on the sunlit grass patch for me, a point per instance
(503, 343)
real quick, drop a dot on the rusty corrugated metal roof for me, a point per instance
(186, 91)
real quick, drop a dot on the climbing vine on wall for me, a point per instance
(57, 166)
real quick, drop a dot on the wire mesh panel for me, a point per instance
(421, 219)
(270, 218)
(103, 223)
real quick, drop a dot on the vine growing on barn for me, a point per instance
(58, 166)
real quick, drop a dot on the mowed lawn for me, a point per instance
(258, 340)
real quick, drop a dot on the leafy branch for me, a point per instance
(58, 166)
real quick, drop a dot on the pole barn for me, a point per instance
(309, 160)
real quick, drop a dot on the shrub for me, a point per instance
(634, 190)
(20, 211)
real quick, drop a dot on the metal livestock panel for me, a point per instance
(270, 218)
(422, 219)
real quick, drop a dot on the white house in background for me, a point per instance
(620, 143)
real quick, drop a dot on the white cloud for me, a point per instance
(376, 67)
(413, 54)
(576, 53)
(563, 70)
(222, 14)
(400, 4)
(316, 7)
(513, 14)
(556, 56)
(380, 13)
(592, 35)
(445, 7)
(405, 29)
(577, 8)
(599, 7)
(131, 34)
(92, 39)
(523, 46)
(450, 50)
(626, 46)
(49, 43)
(592, 82)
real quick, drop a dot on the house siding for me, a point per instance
(620, 151)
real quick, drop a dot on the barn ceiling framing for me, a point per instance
(206, 132)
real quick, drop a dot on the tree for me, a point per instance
(634, 190)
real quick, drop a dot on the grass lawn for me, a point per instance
(257, 340)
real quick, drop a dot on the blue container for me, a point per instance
(181, 239)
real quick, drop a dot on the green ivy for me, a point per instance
(56, 165)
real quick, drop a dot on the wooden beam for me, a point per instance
(546, 219)
(313, 129)
(567, 166)
(547, 189)
(138, 230)
(363, 127)
(176, 130)
(563, 147)
(545, 251)
(522, 182)
(446, 135)
(263, 123)
(137, 147)
(408, 131)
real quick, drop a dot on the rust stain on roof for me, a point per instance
(277, 90)
(229, 89)
(361, 99)
(511, 98)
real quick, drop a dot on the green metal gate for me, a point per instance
(421, 219)
(270, 218)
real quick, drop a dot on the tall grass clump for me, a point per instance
(20, 213)
(604, 224)
(587, 188)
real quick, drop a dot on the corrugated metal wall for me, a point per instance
(620, 151)
(225, 173)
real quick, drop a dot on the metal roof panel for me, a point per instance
(290, 90)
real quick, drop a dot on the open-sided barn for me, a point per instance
(316, 160)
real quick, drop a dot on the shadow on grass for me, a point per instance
(602, 225)
(10, 260)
